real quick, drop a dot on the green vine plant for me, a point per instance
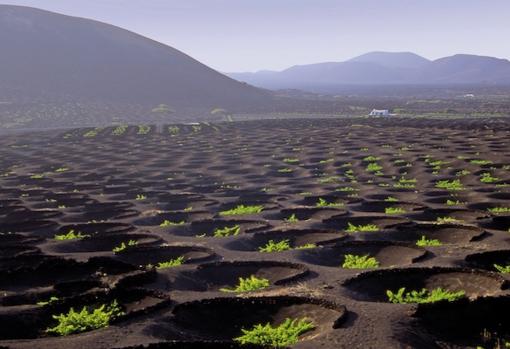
(281, 336)
(487, 178)
(394, 210)
(480, 162)
(503, 269)
(493, 340)
(166, 223)
(453, 185)
(423, 296)
(123, 246)
(373, 167)
(283, 245)
(292, 219)
(71, 235)
(169, 264)
(227, 231)
(273, 246)
(305, 246)
(249, 284)
(51, 300)
(242, 210)
(324, 203)
(447, 220)
(85, 320)
(359, 262)
(405, 183)
(499, 210)
(352, 228)
(423, 242)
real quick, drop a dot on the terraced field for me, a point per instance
(190, 234)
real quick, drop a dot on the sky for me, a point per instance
(252, 35)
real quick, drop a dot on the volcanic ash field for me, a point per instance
(363, 233)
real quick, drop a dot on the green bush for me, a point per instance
(284, 335)
(248, 284)
(85, 320)
(424, 296)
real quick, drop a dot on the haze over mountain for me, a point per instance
(384, 68)
(47, 55)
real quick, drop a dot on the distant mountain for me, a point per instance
(393, 59)
(48, 55)
(384, 68)
(467, 69)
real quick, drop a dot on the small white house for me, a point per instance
(379, 112)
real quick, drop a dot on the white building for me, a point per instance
(379, 112)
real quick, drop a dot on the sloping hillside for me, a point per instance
(46, 55)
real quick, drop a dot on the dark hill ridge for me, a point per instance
(45, 55)
(385, 68)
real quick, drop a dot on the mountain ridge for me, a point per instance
(386, 68)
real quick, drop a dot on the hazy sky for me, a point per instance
(250, 35)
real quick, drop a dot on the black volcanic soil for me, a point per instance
(166, 189)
